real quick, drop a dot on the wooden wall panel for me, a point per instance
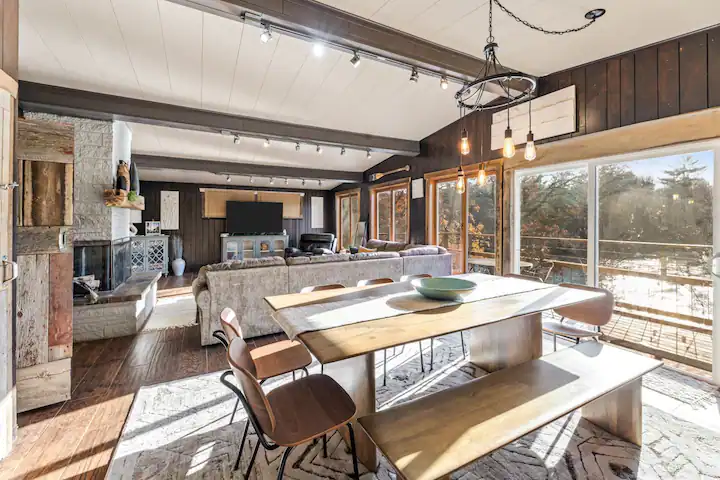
(60, 319)
(32, 310)
(668, 80)
(45, 141)
(613, 93)
(46, 192)
(714, 68)
(578, 78)
(596, 97)
(201, 236)
(693, 72)
(646, 85)
(627, 90)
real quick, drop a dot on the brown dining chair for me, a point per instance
(596, 312)
(291, 414)
(320, 288)
(271, 360)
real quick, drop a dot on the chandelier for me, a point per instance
(498, 87)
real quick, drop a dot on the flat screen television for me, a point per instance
(254, 218)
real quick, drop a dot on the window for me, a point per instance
(390, 212)
(464, 223)
(348, 208)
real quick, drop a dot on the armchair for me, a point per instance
(313, 244)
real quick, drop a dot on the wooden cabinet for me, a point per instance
(237, 247)
(149, 253)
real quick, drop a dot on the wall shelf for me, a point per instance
(121, 201)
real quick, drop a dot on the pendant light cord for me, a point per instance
(535, 27)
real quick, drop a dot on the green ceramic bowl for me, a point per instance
(444, 288)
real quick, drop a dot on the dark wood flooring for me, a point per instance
(76, 439)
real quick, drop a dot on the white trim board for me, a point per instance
(552, 115)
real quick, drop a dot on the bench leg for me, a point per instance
(507, 343)
(619, 412)
(357, 376)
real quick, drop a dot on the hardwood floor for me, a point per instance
(170, 285)
(75, 439)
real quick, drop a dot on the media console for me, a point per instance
(239, 247)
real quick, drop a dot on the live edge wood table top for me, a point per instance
(349, 341)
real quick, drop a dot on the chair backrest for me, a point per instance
(523, 277)
(318, 288)
(407, 278)
(230, 324)
(243, 368)
(597, 311)
(374, 281)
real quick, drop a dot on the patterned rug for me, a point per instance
(180, 430)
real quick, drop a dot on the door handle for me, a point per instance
(13, 268)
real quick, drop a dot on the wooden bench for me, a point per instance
(433, 436)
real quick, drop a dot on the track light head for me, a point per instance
(252, 179)
(266, 34)
(319, 183)
(368, 154)
(414, 77)
(444, 83)
(287, 181)
(228, 179)
(342, 151)
(266, 143)
(355, 60)
(297, 146)
(319, 150)
(272, 181)
(303, 182)
(236, 140)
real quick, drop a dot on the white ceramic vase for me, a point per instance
(178, 267)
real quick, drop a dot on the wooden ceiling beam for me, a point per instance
(250, 169)
(81, 103)
(324, 22)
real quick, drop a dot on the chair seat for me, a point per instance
(307, 408)
(553, 326)
(279, 358)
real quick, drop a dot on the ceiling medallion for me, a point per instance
(497, 86)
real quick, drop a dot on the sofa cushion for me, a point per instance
(246, 263)
(394, 246)
(427, 250)
(341, 257)
(373, 255)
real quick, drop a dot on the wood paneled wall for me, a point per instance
(9, 37)
(201, 236)
(670, 78)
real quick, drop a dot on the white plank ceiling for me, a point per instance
(161, 51)
(463, 25)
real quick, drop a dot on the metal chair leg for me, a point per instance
(293, 375)
(307, 374)
(325, 446)
(462, 342)
(432, 354)
(232, 417)
(252, 460)
(283, 461)
(554, 342)
(242, 444)
(354, 452)
(384, 367)
(422, 365)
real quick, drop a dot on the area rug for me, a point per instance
(180, 430)
(172, 312)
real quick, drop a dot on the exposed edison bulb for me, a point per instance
(530, 150)
(508, 146)
(460, 182)
(482, 176)
(464, 143)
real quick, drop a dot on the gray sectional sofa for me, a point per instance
(243, 284)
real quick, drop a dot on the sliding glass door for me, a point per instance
(639, 225)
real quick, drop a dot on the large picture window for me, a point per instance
(347, 206)
(391, 212)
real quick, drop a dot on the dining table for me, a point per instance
(343, 328)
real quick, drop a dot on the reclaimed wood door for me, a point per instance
(8, 269)
(45, 157)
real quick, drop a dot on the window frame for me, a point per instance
(390, 187)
